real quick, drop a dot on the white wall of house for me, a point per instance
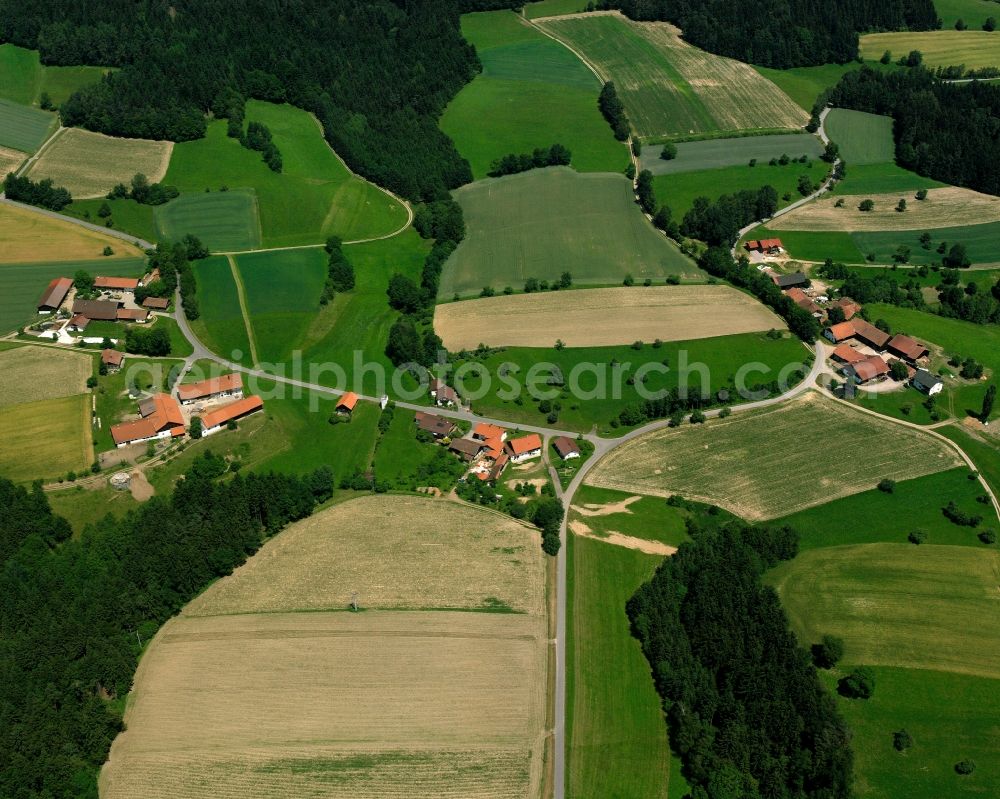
(527, 456)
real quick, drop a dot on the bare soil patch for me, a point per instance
(602, 317)
(140, 488)
(29, 237)
(607, 509)
(948, 207)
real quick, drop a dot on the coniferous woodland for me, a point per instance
(376, 73)
(745, 709)
(72, 611)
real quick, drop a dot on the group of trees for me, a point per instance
(143, 192)
(340, 271)
(43, 193)
(944, 130)
(719, 222)
(745, 709)
(177, 62)
(73, 610)
(258, 137)
(153, 341)
(614, 111)
(782, 33)
(512, 163)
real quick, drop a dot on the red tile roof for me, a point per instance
(871, 367)
(207, 388)
(565, 446)
(767, 244)
(847, 354)
(347, 401)
(55, 292)
(234, 410)
(842, 330)
(112, 357)
(165, 415)
(484, 431)
(907, 347)
(80, 321)
(157, 303)
(121, 283)
(848, 306)
(132, 315)
(524, 444)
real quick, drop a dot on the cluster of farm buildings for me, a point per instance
(116, 302)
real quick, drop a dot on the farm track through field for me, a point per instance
(242, 295)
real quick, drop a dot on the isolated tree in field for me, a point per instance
(965, 767)
(990, 24)
(805, 185)
(921, 194)
(902, 254)
(404, 294)
(403, 345)
(925, 240)
(988, 399)
(859, 684)
(669, 151)
(107, 252)
(901, 205)
(565, 280)
(104, 211)
(887, 486)
(828, 652)
(886, 57)
(957, 257)
(901, 740)
(960, 25)
(830, 152)
(867, 205)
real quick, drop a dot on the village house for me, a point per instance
(112, 359)
(848, 306)
(97, 310)
(437, 426)
(845, 353)
(790, 281)
(908, 349)
(525, 448)
(867, 370)
(863, 331)
(804, 301)
(766, 246)
(54, 294)
(927, 382)
(161, 418)
(566, 447)
(442, 394)
(466, 448)
(484, 432)
(214, 421)
(140, 315)
(128, 284)
(78, 323)
(345, 405)
(156, 303)
(498, 466)
(213, 388)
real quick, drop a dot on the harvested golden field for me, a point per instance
(90, 164)
(396, 552)
(29, 237)
(260, 701)
(947, 207)
(769, 463)
(38, 373)
(602, 317)
(46, 439)
(10, 160)
(941, 48)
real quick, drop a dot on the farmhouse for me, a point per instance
(78, 323)
(345, 405)
(156, 303)
(790, 281)
(848, 306)
(566, 447)
(498, 466)
(868, 369)
(214, 421)
(803, 300)
(140, 315)
(161, 418)
(116, 283)
(112, 359)
(213, 388)
(484, 432)
(907, 348)
(864, 331)
(97, 310)
(769, 246)
(525, 447)
(927, 382)
(845, 353)
(437, 426)
(54, 294)
(467, 448)
(443, 394)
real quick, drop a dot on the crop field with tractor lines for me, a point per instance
(696, 156)
(763, 464)
(24, 128)
(36, 373)
(942, 48)
(28, 237)
(222, 220)
(62, 423)
(862, 138)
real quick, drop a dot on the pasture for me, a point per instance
(942, 48)
(608, 513)
(548, 221)
(763, 464)
(282, 293)
(29, 373)
(221, 326)
(553, 8)
(222, 220)
(943, 208)
(670, 88)
(10, 160)
(90, 164)
(813, 245)
(30, 237)
(597, 386)
(46, 438)
(884, 178)
(862, 138)
(23, 78)
(616, 735)
(804, 84)
(126, 215)
(24, 128)
(21, 285)
(982, 243)
(532, 92)
(973, 12)
(316, 196)
(418, 703)
(898, 605)
(712, 154)
(602, 317)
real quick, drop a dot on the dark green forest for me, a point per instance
(376, 73)
(745, 709)
(783, 33)
(72, 611)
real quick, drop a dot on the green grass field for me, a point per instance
(552, 8)
(808, 245)
(46, 438)
(313, 198)
(862, 138)
(982, 243)
(222, 220)
(804, 84)
(282, 292)
(723, 355)
(23, 78)
(943, 48)
(680, 190)
(617, 738)
(21, 285)
(650, 518)
(878, 517)
(126, 215)
(882, 179)
(925, 607)
(696, 156)
(533, 92)
(547, 221)
(24, 128)
(984, 451)
(973, 12)
(221, 326)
